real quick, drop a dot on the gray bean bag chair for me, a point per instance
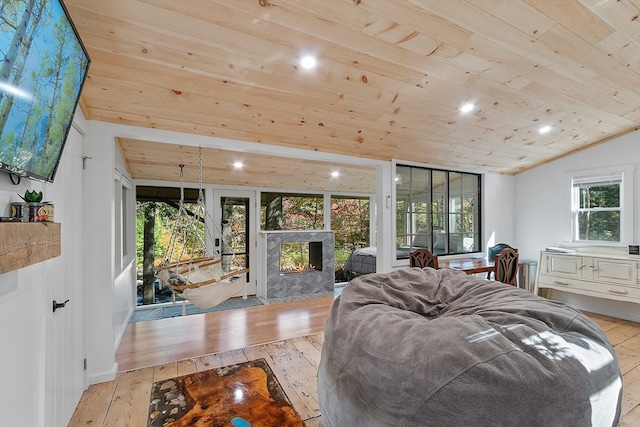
(424, 347)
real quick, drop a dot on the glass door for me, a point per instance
(235, 232)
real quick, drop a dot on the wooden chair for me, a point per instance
(505, 269)
(422, 258)
(495, 250)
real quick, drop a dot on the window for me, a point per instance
(158, 237)
(597, 208)
(602, 205)
(438, 210)
(123, 230)
(350, 220)
(117, 189)
(288, 211)
(349, 216)
(351, 223)
(124, 218)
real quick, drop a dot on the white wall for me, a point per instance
(37, 385)
(543, 198)
(109, 281)
(125, 263)
(22, 317)
(498, 204)
(41, 373)
(543, 206)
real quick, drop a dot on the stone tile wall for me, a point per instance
(303, 283)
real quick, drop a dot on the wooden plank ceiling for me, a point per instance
(389, 81)
(160, 161)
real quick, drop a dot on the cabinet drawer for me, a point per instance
(545, 281)
(595, 289)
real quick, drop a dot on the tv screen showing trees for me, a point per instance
(43, 69)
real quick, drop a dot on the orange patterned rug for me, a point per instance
(242, 395)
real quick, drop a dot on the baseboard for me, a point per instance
(104, 376)
(618, 309)
(610, 313)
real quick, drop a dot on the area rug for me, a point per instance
(175, 311)
(245, 394)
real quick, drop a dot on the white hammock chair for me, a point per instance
(200, 280)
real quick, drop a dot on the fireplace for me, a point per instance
(300, 257)
(298, 263)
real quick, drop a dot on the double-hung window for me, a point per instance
(597, 208)
(436, 209)
(602, 206)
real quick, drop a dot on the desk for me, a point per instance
(468, 265)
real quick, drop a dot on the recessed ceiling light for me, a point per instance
(467, 107)
(335, 174)
(308, 62)
(238, 165)
(544, 129)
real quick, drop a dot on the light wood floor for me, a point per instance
(216, 339)
(169, 340)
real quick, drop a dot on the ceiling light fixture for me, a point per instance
(308, 62)
(467, 107)
(238, 165)
(335, 174)
(544, 129)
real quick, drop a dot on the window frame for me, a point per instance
(446, 215)
(625, 176)
(124, 214)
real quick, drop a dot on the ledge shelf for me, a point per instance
(26, 243)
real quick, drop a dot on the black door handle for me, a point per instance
(57, 305)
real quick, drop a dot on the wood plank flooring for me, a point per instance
(624, 335)
(125, 400)
(169, 340)
(289, 336)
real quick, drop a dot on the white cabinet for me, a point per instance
(603, 276)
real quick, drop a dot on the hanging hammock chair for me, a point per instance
(198, 279)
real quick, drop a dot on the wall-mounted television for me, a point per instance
(42, 70)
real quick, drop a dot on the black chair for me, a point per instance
(422, 258)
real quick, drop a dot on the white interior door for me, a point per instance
(234, 234)
(64, 366)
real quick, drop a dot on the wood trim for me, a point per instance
(27, 243)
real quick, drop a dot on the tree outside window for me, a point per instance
(289, 211)
(349, 216)
(597, 208)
